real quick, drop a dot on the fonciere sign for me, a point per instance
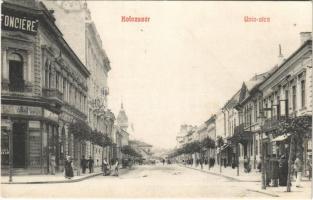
(17, 22)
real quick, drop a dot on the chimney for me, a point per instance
(305, 36)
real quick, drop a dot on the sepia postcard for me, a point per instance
(156, 99)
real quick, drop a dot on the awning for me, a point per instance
(281, 138)
(224, 147)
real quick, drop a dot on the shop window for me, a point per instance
(16, 69)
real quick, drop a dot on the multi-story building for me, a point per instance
(282, 93)
(211, 133)
(248, 128)
(287, 95)
(43, 89)
(231, 119)
(88, 46)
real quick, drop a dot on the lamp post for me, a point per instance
(10, 130)
(262, 152)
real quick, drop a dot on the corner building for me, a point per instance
(43, 89)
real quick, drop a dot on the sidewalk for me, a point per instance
(58, 178)
(304, 192)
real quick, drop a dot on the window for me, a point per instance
(64, 89)
(57, 80)
(255, 112)
(278, 106)
(16, 73)
(47, 74)
(302, 93)
(286, 102)
(256, 147)
(294, 98)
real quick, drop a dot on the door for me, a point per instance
(19, 144)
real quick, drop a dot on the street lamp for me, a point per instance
(10, 130)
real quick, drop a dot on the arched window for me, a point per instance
(16, 72)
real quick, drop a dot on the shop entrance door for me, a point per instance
(19, 144)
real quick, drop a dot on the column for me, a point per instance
(29, 67)
(5, 67)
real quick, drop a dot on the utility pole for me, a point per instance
(237, 155)
(262, 117)
(289, 163)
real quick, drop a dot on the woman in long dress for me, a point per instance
(69, 168)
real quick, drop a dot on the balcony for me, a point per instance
(53, 94)
(239, 129)
(272, 123)
(16, 86)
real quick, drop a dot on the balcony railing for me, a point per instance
(239, 129)
(17, 87)
(272, 123)
(52, 94)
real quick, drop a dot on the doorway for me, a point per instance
(19, 144)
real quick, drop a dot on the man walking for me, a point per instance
(52, 164)
(116, 166)
(105, 167)
(83, 164)
(90, 164)
(298, 170)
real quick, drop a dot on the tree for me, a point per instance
(128, 150)
(80, 130)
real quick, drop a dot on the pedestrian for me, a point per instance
(259, 166)
(298, 170)
(201, 163)
(163, 161)
(69, 168)
(52, 164)
(116, 166)
(83, 164)
(90, 164)
(283, 171)
(104, 167)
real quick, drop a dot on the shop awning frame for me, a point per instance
(281, 137)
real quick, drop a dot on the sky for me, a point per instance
(190, 58)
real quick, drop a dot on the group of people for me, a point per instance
(84, 164)
(201, 162)
(106, 167)
(278, 170)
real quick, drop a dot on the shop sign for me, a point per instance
(5, 123)
(21, 110)
(34, 124)
(50, 115)
(65, 117)
(14, 21)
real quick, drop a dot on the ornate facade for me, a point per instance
(43, 90)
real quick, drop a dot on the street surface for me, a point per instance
(143, 181)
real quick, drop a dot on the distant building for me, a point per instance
(142, 148)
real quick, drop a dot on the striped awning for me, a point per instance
(281, 138)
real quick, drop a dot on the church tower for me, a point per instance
(122, 119)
